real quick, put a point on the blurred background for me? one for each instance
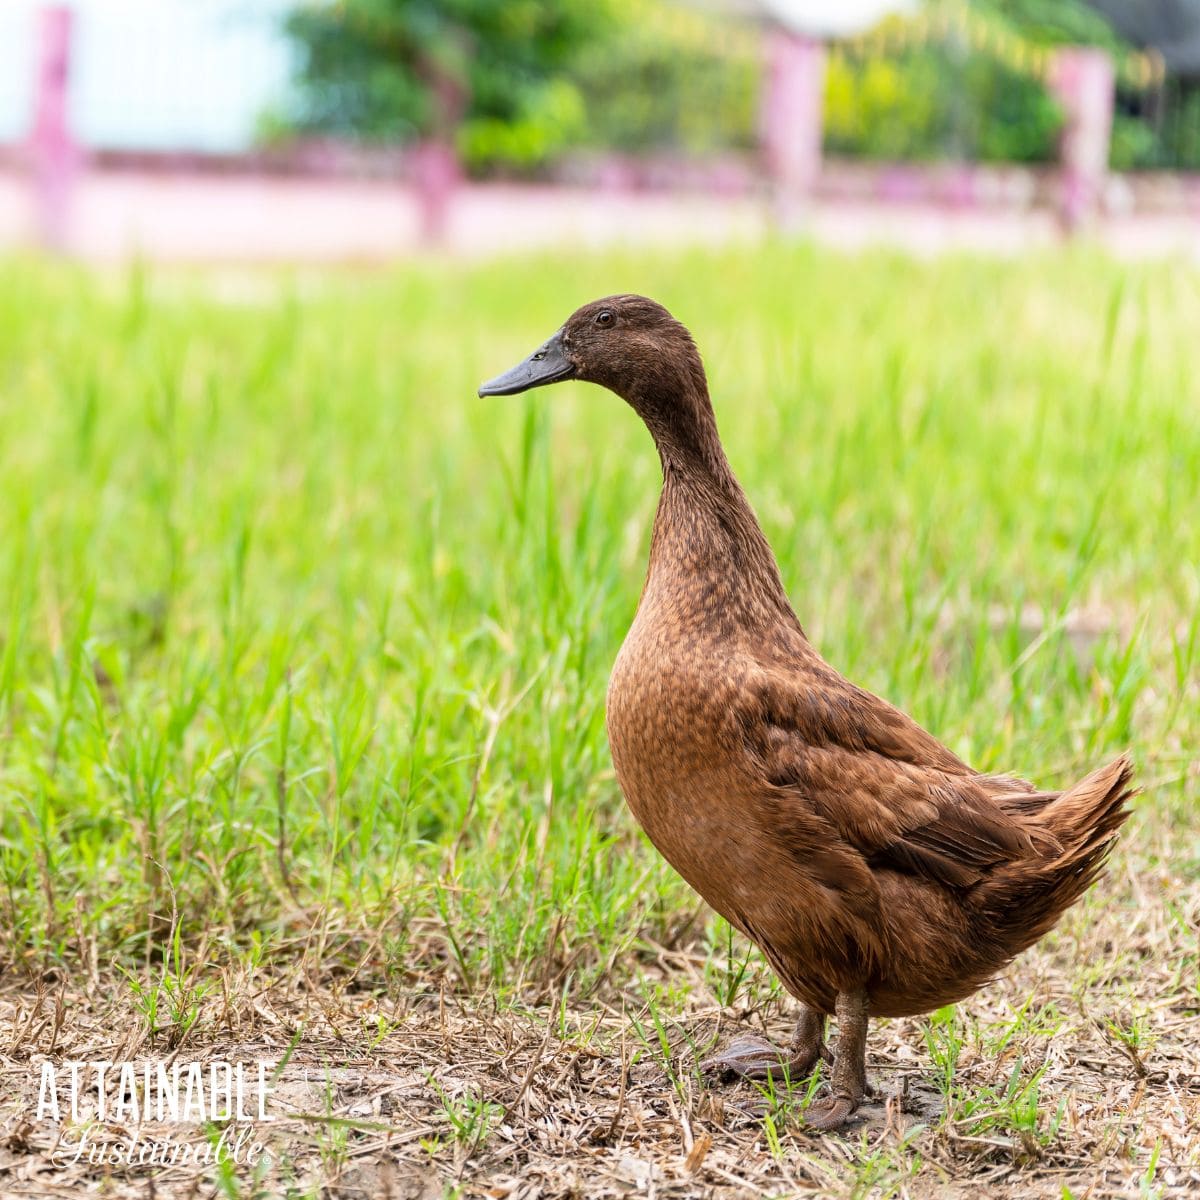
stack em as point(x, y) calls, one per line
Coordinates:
point(366, 129)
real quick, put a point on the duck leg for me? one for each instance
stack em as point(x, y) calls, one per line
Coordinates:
point(756, 1058)
point(848, 1084)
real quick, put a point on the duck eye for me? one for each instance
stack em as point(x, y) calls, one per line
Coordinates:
point(604, 317)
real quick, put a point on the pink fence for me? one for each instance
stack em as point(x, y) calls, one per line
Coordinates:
point(53, 155)
point(789, 166)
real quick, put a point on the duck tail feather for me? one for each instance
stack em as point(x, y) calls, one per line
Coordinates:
point(1088, 814)
point(1025, 900)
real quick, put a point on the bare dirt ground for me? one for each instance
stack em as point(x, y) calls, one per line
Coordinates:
point(415, 1091)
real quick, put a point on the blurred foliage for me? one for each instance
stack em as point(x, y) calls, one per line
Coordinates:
point(671, 78)
point(967, 81)
point(1055, 22)
point(1154, 125)
point(938, 101)
point(488, 72)
point(962, 81)
point(518, 84)
point(1159, 129)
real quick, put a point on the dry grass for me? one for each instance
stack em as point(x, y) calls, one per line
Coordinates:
point(1076, 1074)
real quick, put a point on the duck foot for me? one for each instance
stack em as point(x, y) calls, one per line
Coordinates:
point(830, 1114)
point(756, 1058)
point(849, 1078)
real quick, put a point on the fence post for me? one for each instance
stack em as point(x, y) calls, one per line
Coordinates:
point(1082, 79)
point(436, 174)
point(792, 119)
point(52, 149)
point(436, 167)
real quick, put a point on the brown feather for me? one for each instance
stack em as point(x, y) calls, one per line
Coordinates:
point(860, 854)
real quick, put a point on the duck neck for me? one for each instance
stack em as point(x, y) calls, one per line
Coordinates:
point(684, 429)
point(705, 529)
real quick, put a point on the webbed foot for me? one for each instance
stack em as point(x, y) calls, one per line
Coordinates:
point(756, 1058)
point(830, 1114)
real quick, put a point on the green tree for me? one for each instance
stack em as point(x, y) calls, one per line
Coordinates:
point(937, 101)
point(488, 73)
point(1056, 22)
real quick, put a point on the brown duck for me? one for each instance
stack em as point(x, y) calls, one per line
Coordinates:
point(877, 872)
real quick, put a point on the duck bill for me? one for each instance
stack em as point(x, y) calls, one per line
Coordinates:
point(547, 364)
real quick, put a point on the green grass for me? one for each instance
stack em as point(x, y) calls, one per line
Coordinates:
point(304, 647)
point(270, 570)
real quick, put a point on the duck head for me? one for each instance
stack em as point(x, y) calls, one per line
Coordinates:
point(634, 347)
point(628, 344)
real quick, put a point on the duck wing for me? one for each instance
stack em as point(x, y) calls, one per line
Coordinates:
point(891, 791)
